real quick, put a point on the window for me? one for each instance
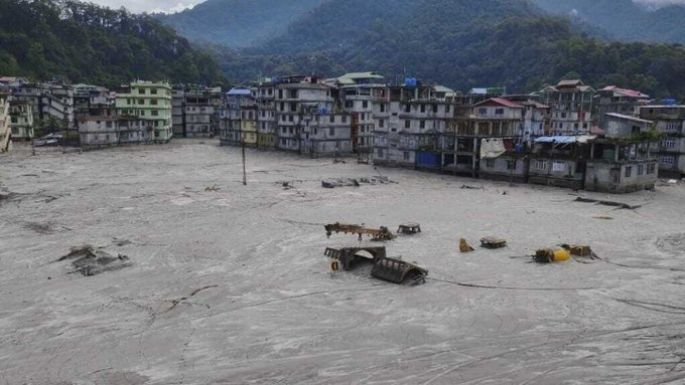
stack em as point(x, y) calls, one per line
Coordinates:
point(344, 118)
point(365, 104)
point(141, 91)
point(435, 108)
point(382, 107)
point(667, 160)
point(331, 131)
point(422, 124)
point(407, 108)
point(447, 108)
point(651, 168)
point(407, 124)
point(153, 91)
point(332, 118)
point(406, 156)
point(668, 143)
point(490, 163)
point(511, 165)
point(640, 170)
point(541, 165)
point(499, 111)
point(482, 111)
point(423, 108)
point(349, 104)
point(155, 113)
point(141, 101)
point(629, 171)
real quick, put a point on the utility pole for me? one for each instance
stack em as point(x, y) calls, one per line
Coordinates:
point(242, 147)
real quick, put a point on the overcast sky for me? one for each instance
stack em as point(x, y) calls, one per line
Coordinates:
point(178, 5)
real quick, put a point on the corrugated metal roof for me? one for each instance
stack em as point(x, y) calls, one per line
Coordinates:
point(628, 117)
point(565, 139)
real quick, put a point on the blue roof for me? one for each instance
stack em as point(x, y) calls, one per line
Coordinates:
point(239, 92)
point(556, 139)
point(565, 139)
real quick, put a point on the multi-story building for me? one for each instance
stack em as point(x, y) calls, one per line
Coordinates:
point(99, 129)
point(5, 129)
point(52, 104)
point(410, 121)
point(310, 118)
point(266, 114)
point(239, 118)
point(21, 113)
point(624, 159)
point(357, 91)
point(485, 134)
point(623, 101)
point(571, 103)
point(670, 123)
point(195, 110)
point(149, 102)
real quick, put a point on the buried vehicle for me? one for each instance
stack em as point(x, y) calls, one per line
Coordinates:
point(388, 269)
point(380, 234)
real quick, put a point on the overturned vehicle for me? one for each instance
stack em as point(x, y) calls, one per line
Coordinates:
point(384, 268)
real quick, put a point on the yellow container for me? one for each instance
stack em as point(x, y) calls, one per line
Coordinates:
point(561, 255)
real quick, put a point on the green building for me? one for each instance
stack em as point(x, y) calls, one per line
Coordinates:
point(149, 102)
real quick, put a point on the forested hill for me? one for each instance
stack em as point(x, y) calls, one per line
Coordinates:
point(624, 19)
point(239, 23)
point(43, 39)
point(461, 44)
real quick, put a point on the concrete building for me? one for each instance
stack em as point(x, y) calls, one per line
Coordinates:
point(357, 91)
point(195, 110)
point(410, 122)
point(571, 104)
point(559, 161)
point(21, 113)
point(670, 123)
point(622, 160)
point(149, 102)
point(483, 134)
point(310, 118)
point(52, 105)
point(266, 114)
point(238, 124)
point(5, 127)
point(101, 130)
point(617, 100)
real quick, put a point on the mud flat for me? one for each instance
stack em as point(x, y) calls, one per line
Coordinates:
point(227, 284)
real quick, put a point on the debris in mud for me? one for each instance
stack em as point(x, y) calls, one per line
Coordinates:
point(336, 161)
point(213, 188)
point(121, 242)
point(464, 246)
point(44, 228)
point(380, 234)
point(672, 244)
point(388, 269)
point(90, 261)
point(552, 255)
point(467, 187)
point(608, 203)
point(353, 182)
point(564, 253)
point(603, 217)
point(409, 228)
point(493, 243)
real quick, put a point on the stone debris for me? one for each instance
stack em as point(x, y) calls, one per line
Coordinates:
point(90, 261)
point(355, 182)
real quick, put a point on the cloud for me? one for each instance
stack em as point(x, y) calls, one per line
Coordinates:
point(137, 6)
point(660, 3)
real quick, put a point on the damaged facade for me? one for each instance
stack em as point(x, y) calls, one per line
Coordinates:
point(195, 110)
point(669, 121)
point(5, 129)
